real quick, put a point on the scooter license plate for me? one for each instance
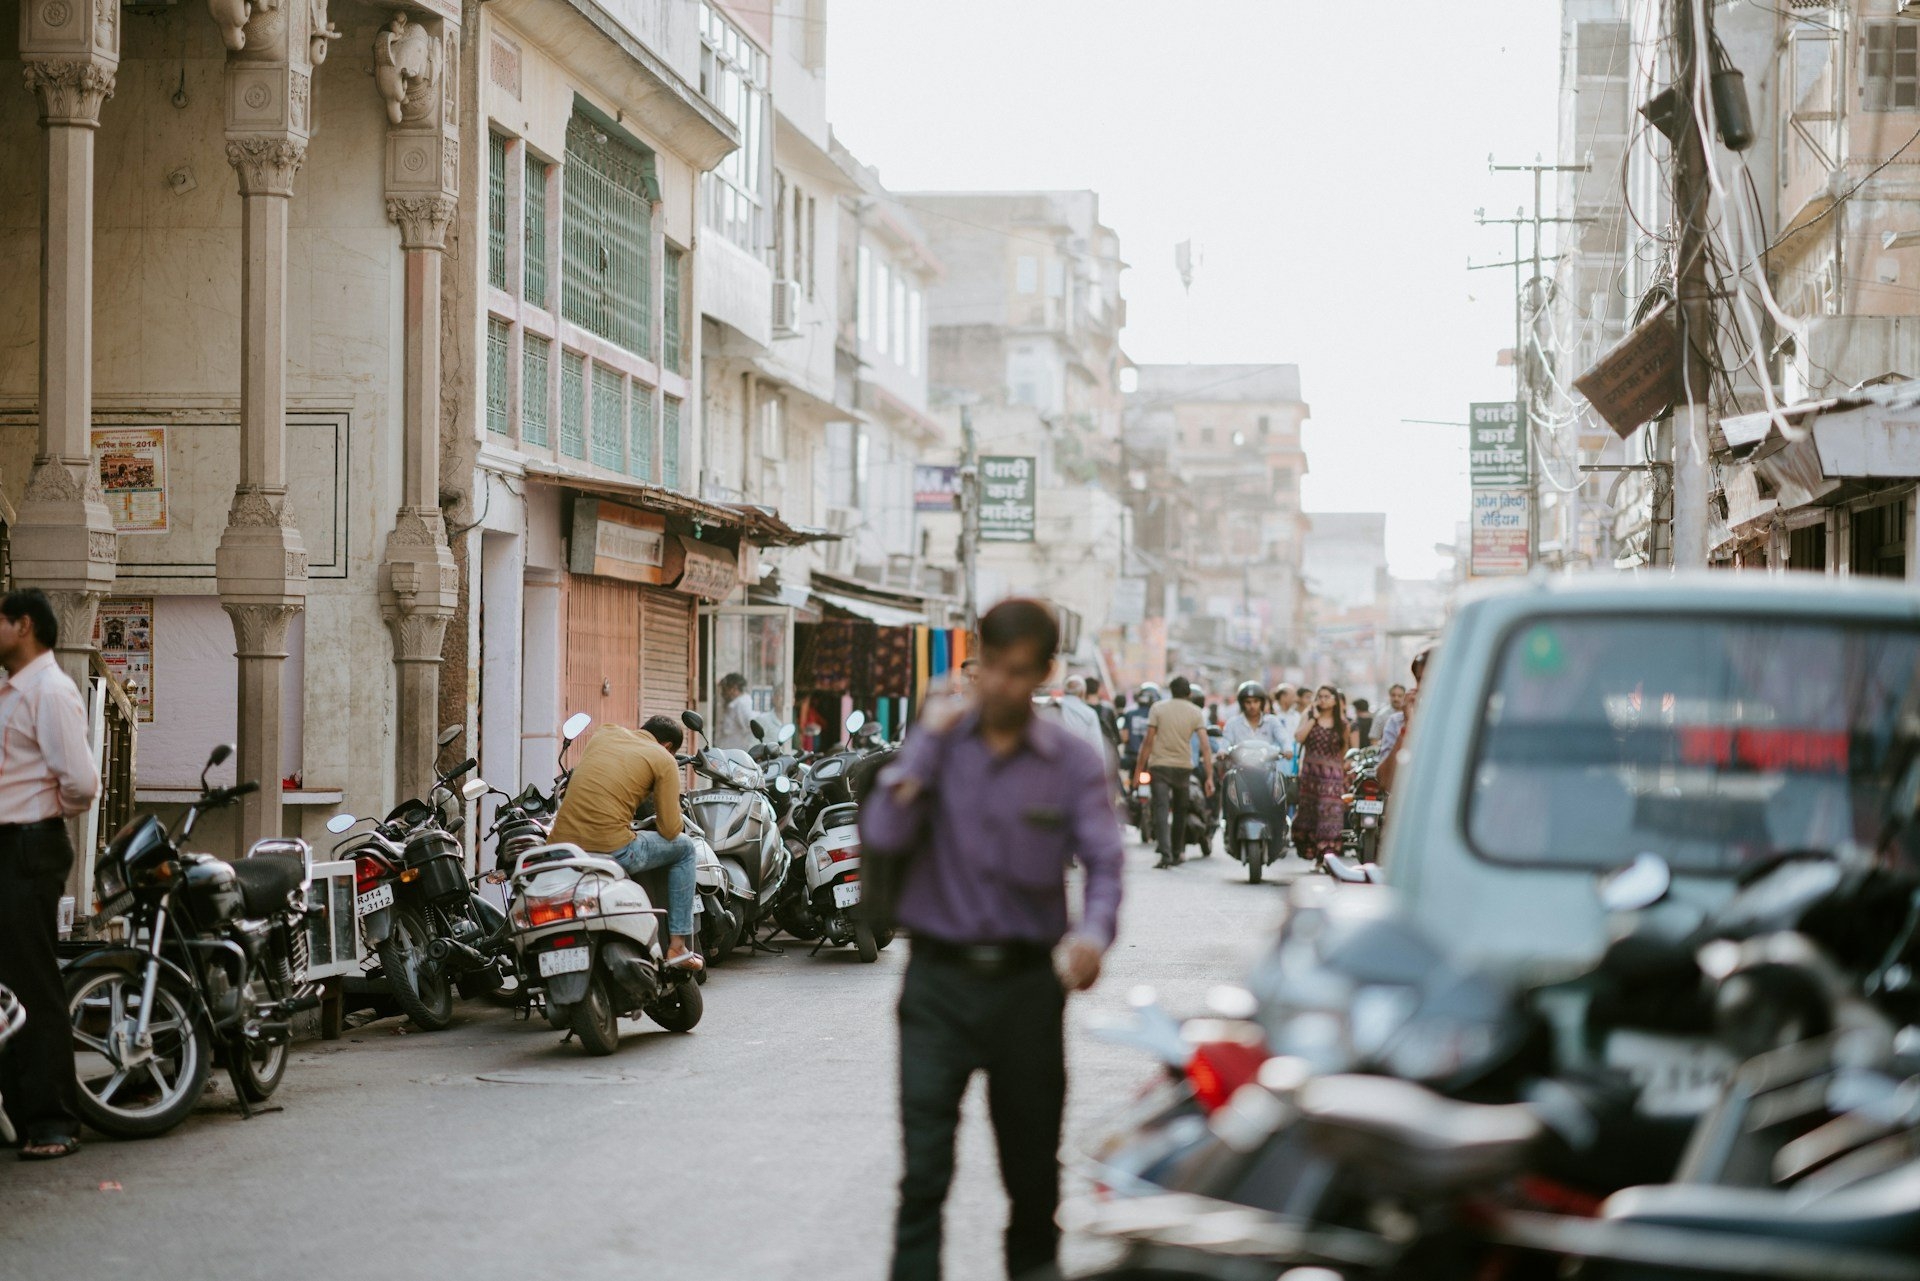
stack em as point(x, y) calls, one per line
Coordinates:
point(847, 894)
point(1369, 807)
point(373, 900)
point(565, 960)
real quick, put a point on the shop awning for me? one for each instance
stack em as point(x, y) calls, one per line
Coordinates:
point(872, 611)
point(759, 525)
point(1821, 452)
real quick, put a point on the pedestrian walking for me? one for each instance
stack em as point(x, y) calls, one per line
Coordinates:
point(1109, 715)
point(1167, 756)
point(735, 729)
point(47, 776)
point(1396, 706)
point(1079, 716)
point(988, 804)
point(1362, 721)
point(1325, 735)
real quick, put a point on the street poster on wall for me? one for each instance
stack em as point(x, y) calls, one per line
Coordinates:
point(1500, 524)
point(123, 632)
point(131, 463)
point(1497, 447)
point(935, 488)
point(1008, 484)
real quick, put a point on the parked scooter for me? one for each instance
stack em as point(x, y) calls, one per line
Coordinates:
point(214, 968)
point(736, 818)
point(1253, 801)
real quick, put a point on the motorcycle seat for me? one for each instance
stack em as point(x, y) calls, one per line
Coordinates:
point(844, 815)
point(1878, 1213)
point(1407, 1135)
point(266, 880)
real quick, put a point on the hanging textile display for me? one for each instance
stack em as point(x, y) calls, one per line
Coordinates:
point(893, 662)
point(921, 673)
point(941, 645)
point(833, 656)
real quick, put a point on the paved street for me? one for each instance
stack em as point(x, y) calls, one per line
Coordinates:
point(760, 1146)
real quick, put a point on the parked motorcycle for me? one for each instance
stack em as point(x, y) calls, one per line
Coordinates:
point(13, 1017)
point(736, 817)
point(1253, 800)
point(592, 944)
point(1366, 805)
point(212, 970)
point(824, 838)
point(418, 907)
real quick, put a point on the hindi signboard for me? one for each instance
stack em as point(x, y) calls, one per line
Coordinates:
point(935, 488)
point(1500, 527)
point(131, 463)
point(1497, 446)
point(123, 633)
point(1008, 484)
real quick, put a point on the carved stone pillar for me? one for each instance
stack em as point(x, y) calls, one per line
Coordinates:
point(262, 562)
point(416, 70)
point(63, 540)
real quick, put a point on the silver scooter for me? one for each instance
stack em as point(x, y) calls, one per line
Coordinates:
point(740, 823)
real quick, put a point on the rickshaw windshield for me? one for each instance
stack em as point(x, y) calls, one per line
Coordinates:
point(1710, 741)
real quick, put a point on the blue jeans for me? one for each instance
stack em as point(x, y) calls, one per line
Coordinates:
point(648, 851)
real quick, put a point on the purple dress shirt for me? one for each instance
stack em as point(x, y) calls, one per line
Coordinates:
point(1004, 829)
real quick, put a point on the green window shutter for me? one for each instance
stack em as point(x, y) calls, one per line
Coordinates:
point(670, 442)
point(533, 390)
point(573, 405)
point(609, 419)
point(640, 433)
point(672, 268)
point(497, 376)
point(534, 259)
point(606, 284)
point(497, 211)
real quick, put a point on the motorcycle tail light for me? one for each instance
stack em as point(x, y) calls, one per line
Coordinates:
point(844, 853)
point(564, 940)
point(366, 874)
point(1218, 1068)
point(1370, 788)
point(546, 912)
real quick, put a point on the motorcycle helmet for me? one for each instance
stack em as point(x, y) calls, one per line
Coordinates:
point(1147, 695)
point(1249, 689)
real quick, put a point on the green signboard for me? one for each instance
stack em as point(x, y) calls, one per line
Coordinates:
point(1497, 450)
point(1008, 484)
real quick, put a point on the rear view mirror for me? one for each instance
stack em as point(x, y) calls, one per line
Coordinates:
point(340, 823)
point(783, 785)
point(1640, 884)
point(693, 721)
point(474, 788)
point(220, 755)
point(576, 725)
point(855, 721)
point(450, 733)
point(759, 731)
point(787, 732)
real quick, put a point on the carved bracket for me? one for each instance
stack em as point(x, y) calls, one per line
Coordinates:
point(406, 68)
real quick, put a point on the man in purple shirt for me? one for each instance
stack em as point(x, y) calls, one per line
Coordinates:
point(992, 804)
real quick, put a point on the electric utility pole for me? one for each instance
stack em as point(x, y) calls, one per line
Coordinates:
point(1681, 442)
point(970, 517)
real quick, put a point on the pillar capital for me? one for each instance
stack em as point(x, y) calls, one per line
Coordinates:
point(423, 219)
point(266, 165)
point(261, 559)
point(260, 631)
point(63, 539)
point(70, 93)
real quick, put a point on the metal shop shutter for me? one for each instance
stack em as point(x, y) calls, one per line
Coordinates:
point(603, 649)
point(666, 653)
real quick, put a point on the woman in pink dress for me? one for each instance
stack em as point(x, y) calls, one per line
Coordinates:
point(1325, 734)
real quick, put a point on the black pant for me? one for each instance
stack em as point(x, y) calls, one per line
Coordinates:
point(954, 1022)
point(36, 1067)
point(1170, 784)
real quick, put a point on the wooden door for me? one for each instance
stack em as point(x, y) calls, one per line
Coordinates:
point(603, 650)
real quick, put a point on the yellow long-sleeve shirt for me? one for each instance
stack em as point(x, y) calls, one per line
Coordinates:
point(620, 769)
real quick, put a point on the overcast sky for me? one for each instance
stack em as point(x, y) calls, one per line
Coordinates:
point(1325, 159)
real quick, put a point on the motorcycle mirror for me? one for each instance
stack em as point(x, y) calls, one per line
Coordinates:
point(759, 731)
point(340, 823)
point(694, 721)
point(217, 756)
point(450, 733)
point(783, 785)
point(787, 732)
point(1640, 884)
point(474, 788)
point(855, 721)
point(576, 725)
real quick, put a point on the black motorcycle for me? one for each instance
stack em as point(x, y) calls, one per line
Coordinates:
point(1253, 800)
point(213, 971)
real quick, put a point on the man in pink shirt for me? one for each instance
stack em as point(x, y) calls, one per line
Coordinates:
point(47, 775)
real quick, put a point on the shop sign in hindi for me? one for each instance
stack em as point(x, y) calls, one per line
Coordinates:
point(123, 633)
point(1500, 524)
point(1008, 484)
point(1497, 446)
point(935, 488)
point(131, 463)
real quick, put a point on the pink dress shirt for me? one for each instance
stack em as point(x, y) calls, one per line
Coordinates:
point(46, 764)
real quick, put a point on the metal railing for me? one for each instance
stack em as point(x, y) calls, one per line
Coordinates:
point(117, 753)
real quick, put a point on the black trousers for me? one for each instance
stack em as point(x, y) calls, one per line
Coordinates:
point(36, 1067)
point(954, 1022)
point(1170, 794)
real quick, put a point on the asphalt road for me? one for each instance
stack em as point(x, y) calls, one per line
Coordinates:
point(762, 1145)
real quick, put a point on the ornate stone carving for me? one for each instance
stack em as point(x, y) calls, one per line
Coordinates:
point(320, 33)
point(419, 637)
point(231, 17)
point(417, 527)
point(406, 68)
point(70, 93)
point(53, 481)
point(260, 631)
point(266, 165)
point(106, 17)
point(299, 90)
point(423, 220)
point(75, 612)
point(264, 36)
point(255, 508)
point(103, 547)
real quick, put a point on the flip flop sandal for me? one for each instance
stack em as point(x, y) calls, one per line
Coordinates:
point(692, 962)
point(57, 1149)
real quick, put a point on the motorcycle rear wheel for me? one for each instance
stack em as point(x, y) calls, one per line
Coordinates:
point(256, 1068)
point(403, 959)
point(595, 1021)
point(864, 940)
point(680, 1009)
point(149, 1098)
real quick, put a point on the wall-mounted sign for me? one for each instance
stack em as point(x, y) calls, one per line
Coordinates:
point(1500, 523)
point(1497, 446)
point(123, 633)
point(617, 542)
point(1007, 488)
point(935, 489)
point(1639, 376)
point(131, 463)
point(701, 569)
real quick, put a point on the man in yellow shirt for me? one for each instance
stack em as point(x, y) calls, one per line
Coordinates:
point(619, 772)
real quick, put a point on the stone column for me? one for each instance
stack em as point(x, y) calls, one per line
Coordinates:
point(63, 540)
point(416, 70)
point(261, 562)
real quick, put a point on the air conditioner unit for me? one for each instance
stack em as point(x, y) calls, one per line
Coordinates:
point(786, 307)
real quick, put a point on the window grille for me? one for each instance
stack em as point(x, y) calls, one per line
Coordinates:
point(607, 237)
point(670, 352)
point(533, 390)
point(573, 405)
point(609, 418)
point(640, 432)
point(535, 255)
point(670, 442)
point(497, 211)
point(497, 376)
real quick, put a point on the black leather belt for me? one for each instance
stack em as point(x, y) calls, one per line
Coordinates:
point(988, 959)
point(43, 825)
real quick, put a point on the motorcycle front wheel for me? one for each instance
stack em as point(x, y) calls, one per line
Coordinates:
point(1254, 854)
point(595, 1021)
point(427, 1001)
point(123, 1094)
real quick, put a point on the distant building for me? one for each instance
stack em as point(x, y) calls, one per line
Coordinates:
point(1345, 564)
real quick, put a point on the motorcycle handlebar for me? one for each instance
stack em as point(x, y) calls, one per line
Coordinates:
point(466, 766)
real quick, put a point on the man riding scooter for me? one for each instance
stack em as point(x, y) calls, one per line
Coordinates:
point(619, 772)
